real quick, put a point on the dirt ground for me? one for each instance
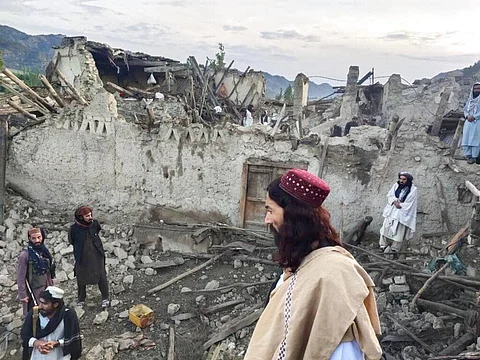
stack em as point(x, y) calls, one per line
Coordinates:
point(191, 333)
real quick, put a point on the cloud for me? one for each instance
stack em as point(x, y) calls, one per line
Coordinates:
point(416, 37)
point(146, 29)
point(442, 58)
point(288, 35)
point(234, 28)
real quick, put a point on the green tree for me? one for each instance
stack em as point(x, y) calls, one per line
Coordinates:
point(279, 96)
point(219, 61)
point(288, 95)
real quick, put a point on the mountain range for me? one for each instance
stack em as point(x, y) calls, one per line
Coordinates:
point(22, 51)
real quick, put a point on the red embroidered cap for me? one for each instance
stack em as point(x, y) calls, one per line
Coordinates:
point(305, 187)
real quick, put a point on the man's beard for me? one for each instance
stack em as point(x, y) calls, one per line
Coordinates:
point(475, 94)
point(89, 221)
point(276, 235)
point(46, 313)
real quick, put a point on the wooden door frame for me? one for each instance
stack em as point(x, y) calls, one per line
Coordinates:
point(266, 163)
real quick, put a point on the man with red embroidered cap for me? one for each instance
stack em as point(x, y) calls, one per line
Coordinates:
point(323, 306)
point(35, 269)
point(89, 255)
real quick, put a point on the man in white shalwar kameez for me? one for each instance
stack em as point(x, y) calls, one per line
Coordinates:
point(400, 214)
point(471, 129)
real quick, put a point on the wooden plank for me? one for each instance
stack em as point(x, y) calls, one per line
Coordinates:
point(52, 91)
point(185, 274)
point(165, 68)
point(74, 91)
point(456, 137)
point(20, 110)
point(29, 91)
point(243, 199)
point(238, 82)
point(171, 344)
point(163, 263)
point(120, 89)
point(472, 188)
point(278, 164)
point(225, 72)
point(24, 99)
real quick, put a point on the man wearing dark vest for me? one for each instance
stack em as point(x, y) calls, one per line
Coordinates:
point(89, 255)
point(35, 271)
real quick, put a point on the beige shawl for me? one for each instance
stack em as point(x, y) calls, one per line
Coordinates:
point(332, 302)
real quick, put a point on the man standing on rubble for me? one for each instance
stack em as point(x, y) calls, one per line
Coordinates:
point(400, 214)
point(35, 269)
point(51, 331)
point(89, 255)
point(323, 306)
point(248, 120)
point(471, 129)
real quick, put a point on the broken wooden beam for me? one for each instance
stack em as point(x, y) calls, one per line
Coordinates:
point(201, 78)
point(431, 305)
point(225, 72)
point(120, 89)
point(76, 95)
point(238, 82)
point(165, 68)
point(176, 261)
point(51, 90)
point(323, 157)
point(37, 98)
point(25, 99)
point(171, 344)
point(412, 335)
point(473, 189)
point(236, 324)
point(230, 287)
point(21, 110)
point(358, 231)
point(459, 345)
point(427, 284)
point(187, 273)
point(220, 307)
point(456, 137)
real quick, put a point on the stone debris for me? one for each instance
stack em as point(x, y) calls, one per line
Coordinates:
point(101, 318)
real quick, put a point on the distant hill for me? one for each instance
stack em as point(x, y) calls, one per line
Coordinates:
point(20, 50)
point(275, 83)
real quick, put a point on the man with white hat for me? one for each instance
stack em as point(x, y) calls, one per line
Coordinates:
point(51, 331)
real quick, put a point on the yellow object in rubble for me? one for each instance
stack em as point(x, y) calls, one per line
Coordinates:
point(141, 315)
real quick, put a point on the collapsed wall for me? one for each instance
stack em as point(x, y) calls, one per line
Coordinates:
point(98, 155)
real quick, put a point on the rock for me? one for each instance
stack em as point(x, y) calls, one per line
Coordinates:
point(114, 303)
point(126, 344)
point(96, 353)
point(430, 318)
point(6, 281)
point(200, 299)
point(112, 261)
point(101, 318)
point(438, 324)
point(15, 324)
point(387, 281)
point(185, 289)
point(237, 263)
point(457, 330)
point(118, 288)
point(130, 265)
point(146, 259)
point(120, 253)
point(10, 223)
point(67, 250)
point(61, 276)
point(9, 235)
point(59, 247)
point(213, 284)
point(395, 288)
point(123, 314)
point(128, 280)
point(149, 271)
point(3, 244)
point(382, 302)
point(400, 280)
point(7, 318)
point(80, 312)
point(2, 229)
point(173, 308)
point(411, 353)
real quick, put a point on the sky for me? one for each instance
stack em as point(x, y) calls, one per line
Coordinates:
point(413, 38)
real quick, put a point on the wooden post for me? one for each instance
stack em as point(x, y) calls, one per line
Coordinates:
point(120, 89)
point(238, 82)
point(74, 91)
point(324, 157)
point(3, 165)
point(225, 72)
point(20, 110)
point(252, 88)
point(52, 91)
point(171, 344)
point(30, 92)
point(456, 137)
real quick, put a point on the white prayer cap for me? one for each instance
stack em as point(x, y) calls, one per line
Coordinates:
point(56, 292)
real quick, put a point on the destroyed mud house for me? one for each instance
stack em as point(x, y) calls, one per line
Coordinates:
point(158, 147)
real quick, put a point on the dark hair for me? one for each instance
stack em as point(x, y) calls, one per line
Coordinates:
point(302, 226)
